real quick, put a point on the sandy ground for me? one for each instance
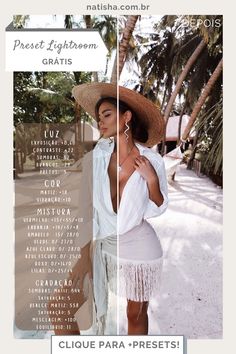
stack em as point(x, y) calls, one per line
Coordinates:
point(190, 231)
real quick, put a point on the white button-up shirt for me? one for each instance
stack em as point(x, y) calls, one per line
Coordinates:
point(135, 204)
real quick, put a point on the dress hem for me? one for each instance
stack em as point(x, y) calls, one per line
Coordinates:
point(136, 280)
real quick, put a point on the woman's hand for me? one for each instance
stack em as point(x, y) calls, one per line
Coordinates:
point(147, 171)
point(145, 168)
point(81, 268)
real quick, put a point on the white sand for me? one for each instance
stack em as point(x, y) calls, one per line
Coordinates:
point(190, 231)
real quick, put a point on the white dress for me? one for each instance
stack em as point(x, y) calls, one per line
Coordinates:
point(126, 245)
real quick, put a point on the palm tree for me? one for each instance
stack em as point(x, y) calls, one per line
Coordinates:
point(123, 46)
point(163, 63)
point(183, 75)
point(178, 85)
point(208, 142)
point(205, 93)
point(214, 160)
point(89, 24)
point(212, 37)
point(157, 62)
point(168, 61)
point(107, 26)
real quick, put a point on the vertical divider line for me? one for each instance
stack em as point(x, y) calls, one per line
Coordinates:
point(117, 175)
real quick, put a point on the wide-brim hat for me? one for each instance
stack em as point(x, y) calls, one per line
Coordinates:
point(87, 95)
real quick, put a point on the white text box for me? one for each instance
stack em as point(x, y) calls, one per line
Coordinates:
point(55, 51)
point(118, 344)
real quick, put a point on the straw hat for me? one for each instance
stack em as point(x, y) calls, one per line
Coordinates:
point(87, 95)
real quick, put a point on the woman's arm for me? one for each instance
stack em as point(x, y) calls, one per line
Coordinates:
point(154, 190)
point(147, 171)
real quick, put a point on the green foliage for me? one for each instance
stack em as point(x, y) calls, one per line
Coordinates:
point(166, 53)
point(107, 28)
point(26, 105)
point(168, 49)
point(210, 143)
point(41, 97)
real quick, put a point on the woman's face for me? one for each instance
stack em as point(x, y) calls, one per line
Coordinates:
point(108, 120)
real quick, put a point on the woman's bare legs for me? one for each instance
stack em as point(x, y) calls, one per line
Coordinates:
point(137, 317)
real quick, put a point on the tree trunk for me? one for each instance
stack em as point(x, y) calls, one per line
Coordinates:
point(114, 71)
point(194, 150)
point(202, 98)
point(180, 121)
point(77, 75)
point(123, 47)
point(164, 98)
point(88, 21)
point(107, 61)
point(95, 76)
point(89, 24)
point(68, 21)
point(183, 75)
point(78, 141)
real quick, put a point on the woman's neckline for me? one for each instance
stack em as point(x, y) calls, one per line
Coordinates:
point(125, 186)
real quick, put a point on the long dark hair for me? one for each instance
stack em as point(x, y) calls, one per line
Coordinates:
point(138, 128)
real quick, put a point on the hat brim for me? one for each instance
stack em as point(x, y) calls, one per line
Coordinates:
point(87, 95)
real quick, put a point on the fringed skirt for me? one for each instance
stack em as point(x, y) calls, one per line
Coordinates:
point(134, 269)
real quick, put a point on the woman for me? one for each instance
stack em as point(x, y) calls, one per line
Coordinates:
point(129, 186)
